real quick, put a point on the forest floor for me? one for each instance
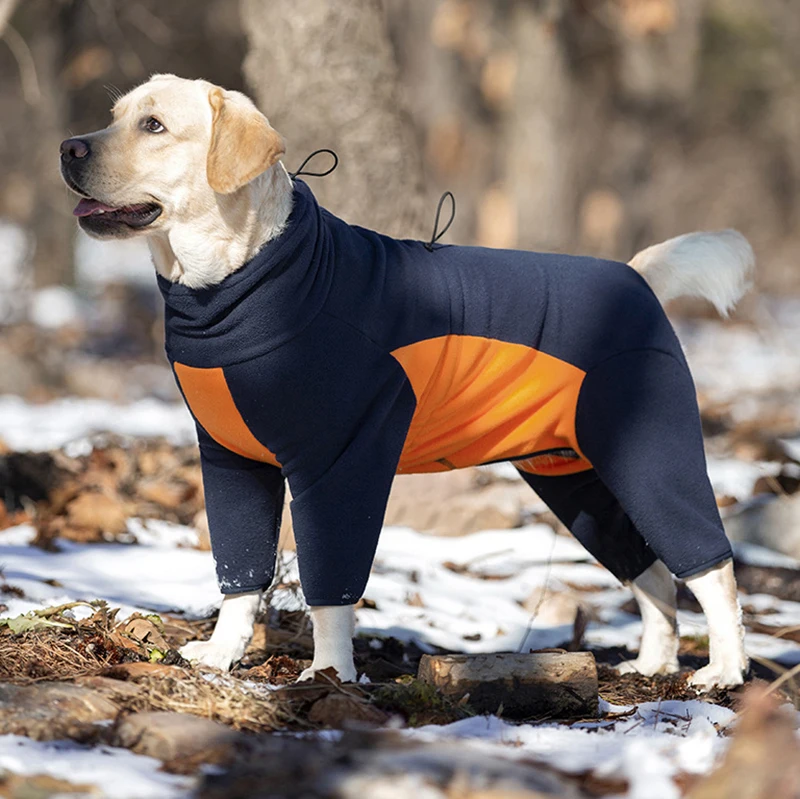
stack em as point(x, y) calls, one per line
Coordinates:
point(106, 573)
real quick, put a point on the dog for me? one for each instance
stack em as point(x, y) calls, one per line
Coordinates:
point(321, 353)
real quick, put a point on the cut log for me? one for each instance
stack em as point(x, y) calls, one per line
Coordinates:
point(537, 685)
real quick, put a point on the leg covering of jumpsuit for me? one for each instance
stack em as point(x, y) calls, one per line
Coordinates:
point(648, 495)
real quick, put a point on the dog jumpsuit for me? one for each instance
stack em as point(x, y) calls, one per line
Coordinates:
point(338, 357)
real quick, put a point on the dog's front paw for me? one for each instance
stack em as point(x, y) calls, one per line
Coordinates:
point(209, 653)
point(715, 676)
point(346, 672)
point(648, 669)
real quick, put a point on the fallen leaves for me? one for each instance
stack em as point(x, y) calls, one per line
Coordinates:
point(90, 498)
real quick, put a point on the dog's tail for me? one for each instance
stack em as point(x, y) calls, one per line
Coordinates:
point(716, 266)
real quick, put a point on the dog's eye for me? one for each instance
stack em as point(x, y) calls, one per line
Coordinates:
point(152, 125)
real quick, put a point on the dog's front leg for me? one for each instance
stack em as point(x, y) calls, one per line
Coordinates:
point(715, 590)
point(231, 635)
point(654, 590)
point(334, 626)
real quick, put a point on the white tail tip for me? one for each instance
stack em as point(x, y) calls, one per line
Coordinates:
point(717, 266)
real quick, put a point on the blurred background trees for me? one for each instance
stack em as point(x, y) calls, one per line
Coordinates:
point(585, 125)
point(589, 126)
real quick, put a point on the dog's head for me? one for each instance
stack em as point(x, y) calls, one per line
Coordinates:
point(173, 147)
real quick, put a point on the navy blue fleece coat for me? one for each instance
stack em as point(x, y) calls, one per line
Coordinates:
point(338, 357)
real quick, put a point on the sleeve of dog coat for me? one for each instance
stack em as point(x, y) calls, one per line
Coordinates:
point(244, 502)
point(338, 518)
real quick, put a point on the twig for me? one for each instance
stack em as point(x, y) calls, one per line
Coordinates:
point(29, 80)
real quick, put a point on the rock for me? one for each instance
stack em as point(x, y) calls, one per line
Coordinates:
point(47, 711)
point(115, 690)
point(445, 503)
point(457, 502)
point(136, 670)
point(176, 736)
point(200, 524)
point(43, 786)
point(536, 685)
point(552, 608)
point(772, 523)
point(343, 710)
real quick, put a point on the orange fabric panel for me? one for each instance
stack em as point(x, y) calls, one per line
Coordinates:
point(208, 396)
point(481, 400)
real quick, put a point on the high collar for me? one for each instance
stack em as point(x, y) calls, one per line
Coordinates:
point(263, 304)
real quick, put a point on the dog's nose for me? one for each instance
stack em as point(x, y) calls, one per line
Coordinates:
point(74, 148)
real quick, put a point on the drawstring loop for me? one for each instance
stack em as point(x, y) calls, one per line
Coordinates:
point(436, 233)
point(293, 175)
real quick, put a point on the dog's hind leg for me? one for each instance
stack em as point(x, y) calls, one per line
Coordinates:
point(654, 590)
point(594, 516)
point(637, 422)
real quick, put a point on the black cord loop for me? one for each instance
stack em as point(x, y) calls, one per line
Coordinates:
point(293, 175)
point(436, 233)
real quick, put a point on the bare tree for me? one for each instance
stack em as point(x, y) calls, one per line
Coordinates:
point(325, 74)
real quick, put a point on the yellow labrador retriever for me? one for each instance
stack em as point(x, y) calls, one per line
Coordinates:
point(197, 171)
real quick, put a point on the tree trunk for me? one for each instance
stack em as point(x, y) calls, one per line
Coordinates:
point(325, 74)
point(51, 226)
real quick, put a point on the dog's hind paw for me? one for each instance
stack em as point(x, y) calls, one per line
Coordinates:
point(715, 676)
point(208, 653)
point(645, 668)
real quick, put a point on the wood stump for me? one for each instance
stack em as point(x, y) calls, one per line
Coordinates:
point(518, 686)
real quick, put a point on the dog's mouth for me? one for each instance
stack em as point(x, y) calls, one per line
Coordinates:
point(97, 216)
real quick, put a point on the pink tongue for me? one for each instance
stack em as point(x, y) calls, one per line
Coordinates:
point(88, 207)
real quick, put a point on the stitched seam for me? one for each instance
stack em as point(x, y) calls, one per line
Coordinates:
point(728, 553)
point(637, 349)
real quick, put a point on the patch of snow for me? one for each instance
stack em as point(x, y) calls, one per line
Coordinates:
point(730, 362)
point(134, 578)
point(159, 533)
point(68, 422)
point(121, 261)
point(757, 555)
point(115, 772)
point(736, 478)
point(670, 737)
point(54, 307)
point(791, 446)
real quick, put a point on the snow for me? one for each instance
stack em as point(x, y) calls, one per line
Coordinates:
point(670, 737)
point(121, 261)
point(116, 772)
point(735, 478)
point(54, 307)
point(69, 423)
point(148, 576)
point(739, 363)
point(757, 555)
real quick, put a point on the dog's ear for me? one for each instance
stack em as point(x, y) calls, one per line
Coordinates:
point(243, 143)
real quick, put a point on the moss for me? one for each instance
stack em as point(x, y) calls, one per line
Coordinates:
point(418, 702)
point(694, 645)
